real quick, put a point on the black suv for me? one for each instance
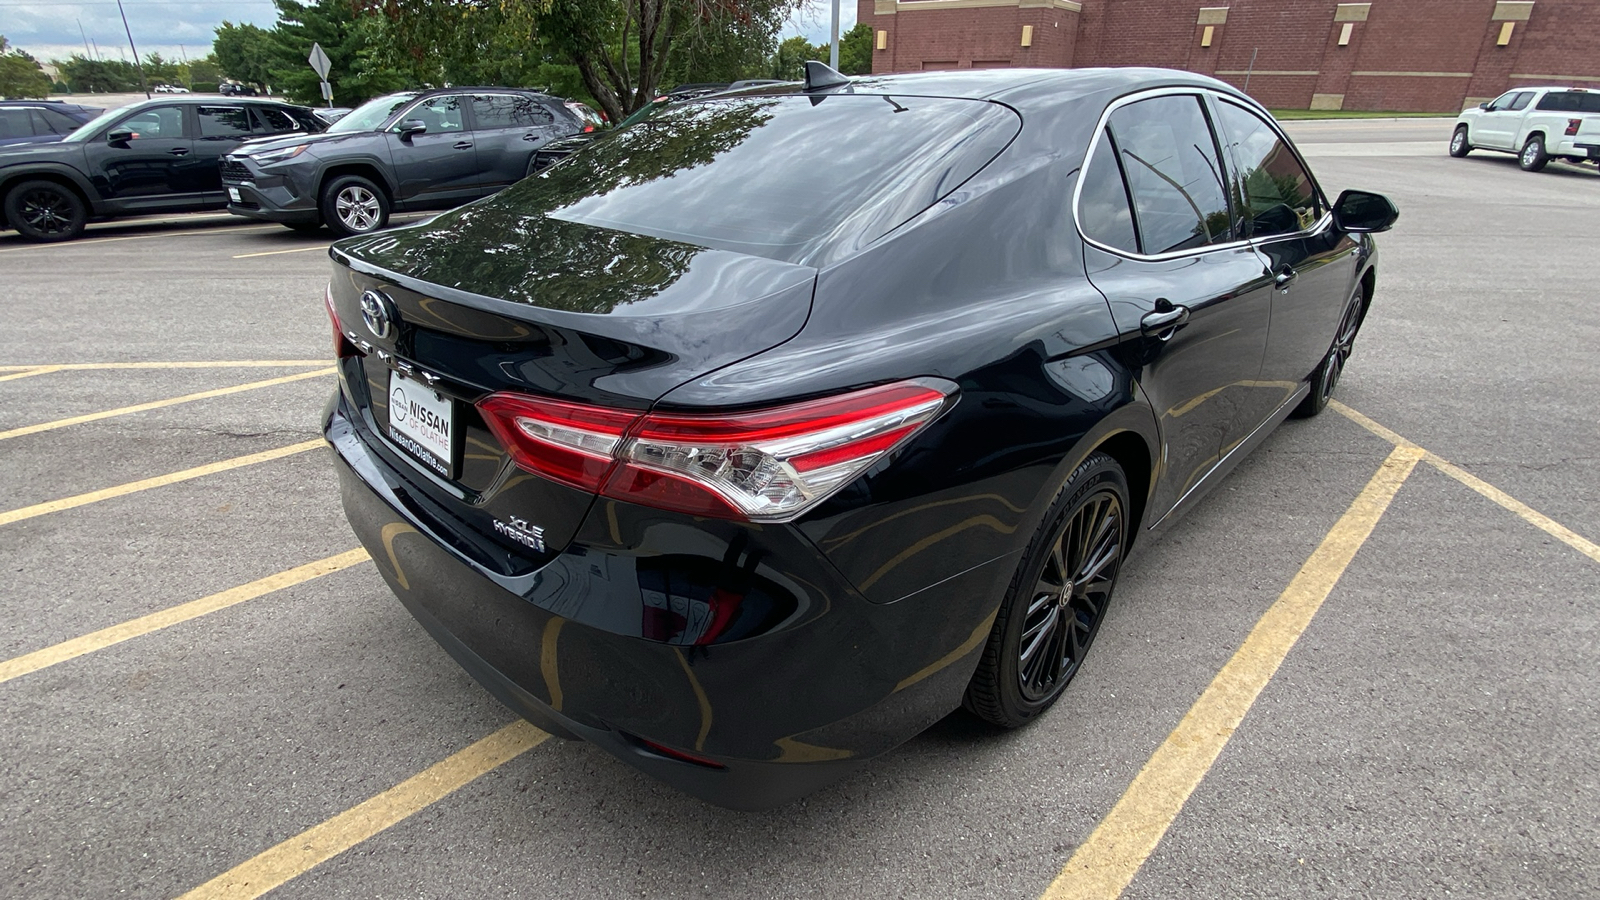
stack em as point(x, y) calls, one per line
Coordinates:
point(408, 151)
point(38, 121)
point(156, 156)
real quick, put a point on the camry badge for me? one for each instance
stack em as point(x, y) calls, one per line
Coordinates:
point(377, 311)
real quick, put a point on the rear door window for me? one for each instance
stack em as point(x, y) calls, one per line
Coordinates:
point(275, 121)
point(789, 178)
point(1520, 101)
point(1276, 193)
point(15, 123)
point(490, 111)
point(224, 121)
point(59, 122)
point(1174, 174)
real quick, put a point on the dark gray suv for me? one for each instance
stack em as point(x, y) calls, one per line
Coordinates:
point(408, 151)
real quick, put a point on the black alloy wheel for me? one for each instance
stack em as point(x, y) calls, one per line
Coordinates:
point(1459, 146)
point(46, 211)
point(1057, 599)
point(1325, 380)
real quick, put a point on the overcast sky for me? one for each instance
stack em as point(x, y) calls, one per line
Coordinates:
point(175, 28)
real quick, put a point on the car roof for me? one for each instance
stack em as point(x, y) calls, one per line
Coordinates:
point(207, 100)
point(1023, 89)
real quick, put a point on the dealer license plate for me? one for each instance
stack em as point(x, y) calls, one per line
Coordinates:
point(422, 423)
point(233, 194)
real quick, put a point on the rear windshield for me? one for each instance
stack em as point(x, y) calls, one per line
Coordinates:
point(787, 178)
point(1570, 101)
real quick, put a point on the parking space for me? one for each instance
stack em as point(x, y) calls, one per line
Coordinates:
point(205, 690)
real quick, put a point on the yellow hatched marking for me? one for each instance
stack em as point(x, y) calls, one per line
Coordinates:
point(160, 404)
point(1527, 513)
point(183, 612)
point(133, 487)
point(323, 842)
point(1104, 865)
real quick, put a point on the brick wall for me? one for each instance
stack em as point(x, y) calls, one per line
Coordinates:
point(1417, 55)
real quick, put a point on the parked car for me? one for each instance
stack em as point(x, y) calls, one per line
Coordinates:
point(153, 156)
point(235, 89)
point(408, 151)
point(169, 89)
point(559, 149)
point(592, 120)
point(1537, 124)
point(747, 468)
point(41, 121)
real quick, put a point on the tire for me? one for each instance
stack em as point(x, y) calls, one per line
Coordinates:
point(1325, 380)
point(303, 227)
point(1459, 146)
point(46, 211)
point(1048, 618)
point(1533, 158)
point(353, 205)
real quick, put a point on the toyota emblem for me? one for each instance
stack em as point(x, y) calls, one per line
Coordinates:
point(377, 311)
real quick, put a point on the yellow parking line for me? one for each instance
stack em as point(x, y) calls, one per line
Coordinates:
point(133, 487)
point(159, 404)
point(42, 368)
point(183, 612)
point(1528, 514)
point(276, 252)
point(1104, 865)
point(323, 842)
point(134, 237)
point(29, 373)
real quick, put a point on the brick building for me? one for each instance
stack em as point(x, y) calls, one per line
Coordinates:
point(1419, 55)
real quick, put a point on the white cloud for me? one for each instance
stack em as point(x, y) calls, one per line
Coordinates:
point(813, 20)
point(169, 27)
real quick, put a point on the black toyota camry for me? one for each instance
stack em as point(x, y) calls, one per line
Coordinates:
point(754, 439)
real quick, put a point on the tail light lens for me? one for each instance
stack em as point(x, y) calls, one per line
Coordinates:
point(342, 348)
point(769, 465)
point(1572, 126)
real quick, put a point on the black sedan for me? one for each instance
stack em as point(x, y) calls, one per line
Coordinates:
point(767, 432)
point(414, 150)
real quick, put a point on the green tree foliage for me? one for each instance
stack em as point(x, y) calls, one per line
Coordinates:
point(205, 70)
point(98, 76)
point(245, 53)
point(357, 73)
point(158, 70)
point(20, 75)
point(855, 50)
point(624, 51)
point(789, 62)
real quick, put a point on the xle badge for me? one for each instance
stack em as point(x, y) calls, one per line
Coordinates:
point(520, 531)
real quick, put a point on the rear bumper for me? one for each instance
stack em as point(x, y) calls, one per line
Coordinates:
point(774, 716)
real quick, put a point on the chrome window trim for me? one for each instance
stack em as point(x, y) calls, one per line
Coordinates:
point(1203, 94)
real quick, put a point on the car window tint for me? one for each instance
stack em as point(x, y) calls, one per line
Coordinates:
point(440, 114)
point(1520, 101)
point(1103, 200)
point(224, 121)
point(158, 122)
point(59, 123)
point(1502, 101)
point(276, 121)
point(1570, 101)
point(1170, 161)
point(1277, 194)
point(15, 123)
point(508, 111)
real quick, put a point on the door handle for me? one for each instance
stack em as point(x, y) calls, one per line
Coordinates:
point(462, 145)
point(1284, 276)
point(530, 136)
point(179, 151)
point(1165, 321)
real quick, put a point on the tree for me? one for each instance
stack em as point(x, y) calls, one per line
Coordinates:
point(356, 70)
point(205, 70)
point(244, 53)
point(161, 71)
point(855, 50)
point(789, 62)
point(98, 76)
point(20, 75)
point(623, 50)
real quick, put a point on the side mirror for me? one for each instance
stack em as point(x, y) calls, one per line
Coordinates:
point(412, 126)
point(1483, 105)
point(120, 137)
point(1363, 212)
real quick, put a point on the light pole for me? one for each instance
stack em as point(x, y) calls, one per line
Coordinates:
point(833, 41)
point(143, 85)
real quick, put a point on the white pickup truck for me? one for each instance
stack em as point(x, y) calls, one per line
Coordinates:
point(1536, 123)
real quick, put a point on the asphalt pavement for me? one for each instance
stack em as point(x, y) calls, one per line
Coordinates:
point(198, 681)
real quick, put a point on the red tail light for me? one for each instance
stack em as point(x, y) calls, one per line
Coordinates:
point(1572, 126)
point(769, 465)
point(342, 347)
point(587, 129)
